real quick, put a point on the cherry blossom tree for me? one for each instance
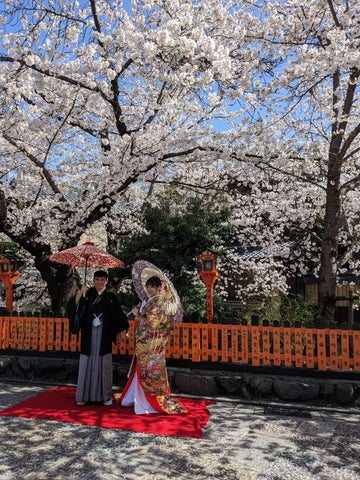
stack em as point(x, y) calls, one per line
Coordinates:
point(290, 162)
point(95, 102)
point(102, 106)
point(305, 109)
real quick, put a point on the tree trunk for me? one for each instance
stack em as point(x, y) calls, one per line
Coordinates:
point(329, 260)
point(62, 281)
point(330, 241)
point(329, 255)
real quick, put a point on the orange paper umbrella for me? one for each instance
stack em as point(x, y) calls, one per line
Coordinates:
point(87, 256)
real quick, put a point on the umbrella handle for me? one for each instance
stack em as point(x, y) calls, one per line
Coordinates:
point(132, 363)
point(86, 262)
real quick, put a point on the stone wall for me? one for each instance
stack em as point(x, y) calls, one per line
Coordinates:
point(270, 387)
point(245, 386)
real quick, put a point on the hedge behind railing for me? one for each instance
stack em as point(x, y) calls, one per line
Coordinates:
point(257, 345)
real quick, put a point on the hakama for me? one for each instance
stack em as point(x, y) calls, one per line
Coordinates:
point(95, 375)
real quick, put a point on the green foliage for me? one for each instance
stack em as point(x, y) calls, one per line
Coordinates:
point(173, 240)
point(194, 300)
point(291, 308)
point(9, 246)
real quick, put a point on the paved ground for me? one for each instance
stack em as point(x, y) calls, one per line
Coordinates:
point(241, 441)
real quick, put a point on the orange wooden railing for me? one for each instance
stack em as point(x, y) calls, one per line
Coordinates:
point(320, 349)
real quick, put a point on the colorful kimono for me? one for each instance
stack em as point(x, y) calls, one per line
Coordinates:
point(148, 388)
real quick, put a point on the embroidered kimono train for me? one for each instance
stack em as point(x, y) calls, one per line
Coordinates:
point(148, 387)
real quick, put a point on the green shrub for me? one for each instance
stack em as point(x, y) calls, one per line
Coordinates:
point(283, 307)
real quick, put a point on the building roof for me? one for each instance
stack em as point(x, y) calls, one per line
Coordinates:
point(254, 252)
point(10, 255)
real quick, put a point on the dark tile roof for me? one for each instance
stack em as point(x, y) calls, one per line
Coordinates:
point(253, 252)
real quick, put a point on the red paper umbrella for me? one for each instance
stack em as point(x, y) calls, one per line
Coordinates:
point(86, 255)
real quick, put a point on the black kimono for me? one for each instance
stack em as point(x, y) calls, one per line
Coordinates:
point(99, 318)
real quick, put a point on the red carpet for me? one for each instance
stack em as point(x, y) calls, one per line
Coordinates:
point(59, 404)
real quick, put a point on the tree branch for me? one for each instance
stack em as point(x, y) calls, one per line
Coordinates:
point(3, 208)
point(39, 164)
point(333, 13)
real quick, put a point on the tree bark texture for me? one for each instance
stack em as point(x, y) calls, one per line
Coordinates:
point(329, 251)
point(62, 282)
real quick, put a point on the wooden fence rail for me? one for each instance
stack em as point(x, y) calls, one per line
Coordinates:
point(313, 348)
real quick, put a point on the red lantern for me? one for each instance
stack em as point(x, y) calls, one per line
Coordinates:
point(209, 275)
point(8, 275)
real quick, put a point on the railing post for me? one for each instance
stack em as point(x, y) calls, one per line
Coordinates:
point(298, 345)
point(356, 346)
point(276, 343)
point(287, 344)
point(265, 342)
point(255, 341)
point(345, 344)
